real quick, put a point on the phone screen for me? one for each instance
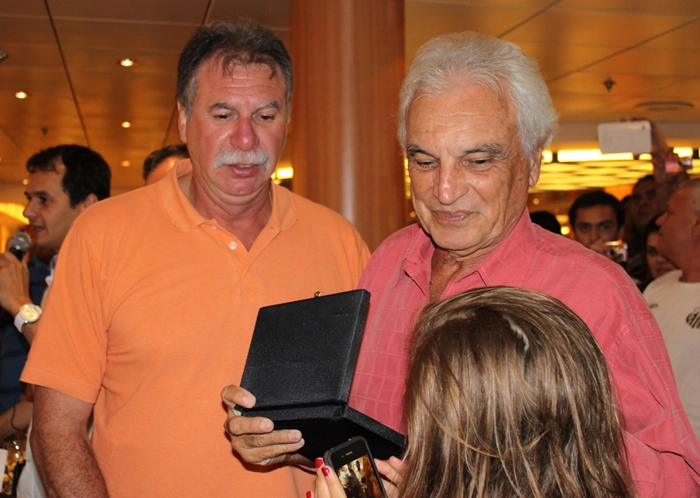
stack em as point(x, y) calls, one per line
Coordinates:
point(353, 463)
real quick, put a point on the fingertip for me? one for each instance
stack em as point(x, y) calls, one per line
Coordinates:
point(248, 400)
point(326, 471)
point(266, 425)
point(294, 436)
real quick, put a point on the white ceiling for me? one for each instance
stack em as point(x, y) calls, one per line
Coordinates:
point(65, 55)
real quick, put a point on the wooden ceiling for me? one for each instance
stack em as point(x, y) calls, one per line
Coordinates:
point(64, 55)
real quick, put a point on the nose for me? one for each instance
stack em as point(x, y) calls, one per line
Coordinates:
point(29, 211)
point(660, 220)
point(244, 136)
point(450, 186)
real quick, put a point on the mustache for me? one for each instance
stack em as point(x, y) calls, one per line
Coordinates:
point(253, 156)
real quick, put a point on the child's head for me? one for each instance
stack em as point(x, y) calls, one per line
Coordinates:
point(508, 390)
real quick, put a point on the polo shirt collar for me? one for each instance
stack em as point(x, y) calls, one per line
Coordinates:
point(185, 217)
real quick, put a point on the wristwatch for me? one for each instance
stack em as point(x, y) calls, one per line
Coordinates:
point(28, 313)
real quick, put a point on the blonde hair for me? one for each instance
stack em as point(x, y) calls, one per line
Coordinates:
point(508, 395)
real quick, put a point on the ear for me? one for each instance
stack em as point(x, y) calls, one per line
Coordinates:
point(182, 122)
point(89, 201)
point(695, 226)
point(535, 166)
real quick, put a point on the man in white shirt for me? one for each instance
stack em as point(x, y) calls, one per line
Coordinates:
point(674, 298)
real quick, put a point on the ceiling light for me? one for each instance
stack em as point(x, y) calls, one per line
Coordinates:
point(25, 182)
point(21, 95)
point(547, 156)
point(683, 151)
point(284, 173)
point(664, 105)
point(126, 164)
point(568, 156)
point(126, 62)
point(126, 124)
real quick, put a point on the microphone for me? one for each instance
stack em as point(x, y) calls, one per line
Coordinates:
point(19, 244)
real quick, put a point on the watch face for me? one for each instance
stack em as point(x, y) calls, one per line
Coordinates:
point(30, 313)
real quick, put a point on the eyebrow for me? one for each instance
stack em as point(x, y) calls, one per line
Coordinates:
point(223, 105)
point(493, 150)
point(413, 149)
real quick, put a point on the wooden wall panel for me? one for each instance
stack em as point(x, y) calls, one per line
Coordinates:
point(348, 58)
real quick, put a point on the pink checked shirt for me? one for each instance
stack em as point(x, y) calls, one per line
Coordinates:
point(663, 453)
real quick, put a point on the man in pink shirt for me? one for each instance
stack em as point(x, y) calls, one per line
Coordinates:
point(475, 116)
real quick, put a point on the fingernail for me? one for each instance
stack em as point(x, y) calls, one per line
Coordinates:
point(309, 494)
point(326, 471)
point(294, 436)
point(319, 463)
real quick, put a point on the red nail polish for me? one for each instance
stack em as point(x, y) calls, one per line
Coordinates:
point(326, 471)
point(309, 494)
point(319, 463)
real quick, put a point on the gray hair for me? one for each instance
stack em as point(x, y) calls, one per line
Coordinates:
point(493, 64)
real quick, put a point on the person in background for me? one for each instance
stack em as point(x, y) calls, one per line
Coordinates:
point(160, 161)
point(14, 347)
point(474, 117)
point(63, 182)
point(151, 314)
point(674, 298)
point(596, 218)
point(656, 263)
point(649, 198)
point(499, 403)
point(546, 220)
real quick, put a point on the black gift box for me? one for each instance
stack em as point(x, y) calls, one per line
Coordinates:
point(300, 366)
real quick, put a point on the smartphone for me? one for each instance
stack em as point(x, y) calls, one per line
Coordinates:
point(617, 251)
point(624, 136)
point(353, 463)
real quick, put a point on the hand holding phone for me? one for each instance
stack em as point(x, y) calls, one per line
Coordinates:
point(353, 463)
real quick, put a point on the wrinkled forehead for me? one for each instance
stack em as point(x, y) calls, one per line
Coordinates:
point(465, 116)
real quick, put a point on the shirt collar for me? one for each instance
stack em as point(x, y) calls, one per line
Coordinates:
point(185, 217)
point(510, 258)
point(509, 262)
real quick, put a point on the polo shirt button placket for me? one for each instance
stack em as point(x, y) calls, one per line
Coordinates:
point(232, 246)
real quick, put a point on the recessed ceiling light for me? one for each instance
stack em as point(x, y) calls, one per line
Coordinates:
point(126, 124)
point(21, 95)
point(126, 164)
point(25, 182)
point(126, 62)
point(664, 105)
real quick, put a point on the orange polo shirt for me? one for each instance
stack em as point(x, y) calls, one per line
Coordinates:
point(151, 314)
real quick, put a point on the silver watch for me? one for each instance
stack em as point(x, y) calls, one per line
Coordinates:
point(28, 313)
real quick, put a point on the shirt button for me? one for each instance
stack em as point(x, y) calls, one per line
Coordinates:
point(232, 245)
point(213, 227)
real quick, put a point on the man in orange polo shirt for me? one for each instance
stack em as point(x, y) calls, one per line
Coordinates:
point(151, 314)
